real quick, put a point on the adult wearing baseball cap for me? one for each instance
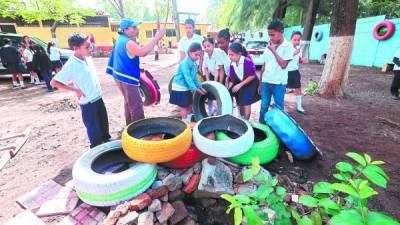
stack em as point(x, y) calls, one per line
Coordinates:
point(124, 66)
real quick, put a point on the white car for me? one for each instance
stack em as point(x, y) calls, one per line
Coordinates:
point(256, 50)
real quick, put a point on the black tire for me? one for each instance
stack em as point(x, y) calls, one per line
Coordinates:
point(145, 94)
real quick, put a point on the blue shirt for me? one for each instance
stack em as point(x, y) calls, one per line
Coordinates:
point(186, 77)
point(122, 66)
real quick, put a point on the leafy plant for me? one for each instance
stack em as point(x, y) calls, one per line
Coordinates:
point(311, 88)
point(253, 206)
point(346, 201)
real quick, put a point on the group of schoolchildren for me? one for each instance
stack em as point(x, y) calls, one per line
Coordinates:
point(231, 65)
point(33, 59)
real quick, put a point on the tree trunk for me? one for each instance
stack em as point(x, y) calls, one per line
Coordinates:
point(121, 8)
point(176, 20)
point(308, 27)
point(53, 33)
point(280, 10)
point(336, 70)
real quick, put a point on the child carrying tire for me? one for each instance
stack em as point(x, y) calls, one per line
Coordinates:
point(185, 82)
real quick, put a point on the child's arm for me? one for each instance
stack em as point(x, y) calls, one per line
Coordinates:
point(60, 85)
point(135, 50)
point(281, 62)
point(207, 73)
point(193, 84)
point(246, 81)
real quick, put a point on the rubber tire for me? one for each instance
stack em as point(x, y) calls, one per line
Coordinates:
point(290, 133)
point(227, 148)
point(266, 149)
point(102, 190)
point(156, 151)
point(221, 95)
point(200, 78)
point(145, 94)
point(191, 157)
point(390, 26)
point(147, 82)
point(319, 35)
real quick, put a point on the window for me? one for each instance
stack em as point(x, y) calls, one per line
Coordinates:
point(171, 33)
point(197, 31)
point(149, 34)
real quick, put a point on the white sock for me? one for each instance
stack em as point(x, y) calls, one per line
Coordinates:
point(37, 79)
point(32, 80)
point(15, 83)
point(21, 83)
point(298, 101)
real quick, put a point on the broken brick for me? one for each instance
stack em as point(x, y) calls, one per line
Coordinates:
point(140, 202)
point(192, 185)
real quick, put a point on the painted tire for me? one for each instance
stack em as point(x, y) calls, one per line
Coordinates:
point(265, 147)
point(191, 157)
point(200, 78)
point(318, 35)
point(225, 148)
point(218, 92)
point(390, 30)
point(156, 151)
point(99, 189)
point(150, 88)
point(290, 133)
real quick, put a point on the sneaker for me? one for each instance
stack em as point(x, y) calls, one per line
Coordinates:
point(52, 90)
point(16, 86)
point(23, 87)
point(396, 97)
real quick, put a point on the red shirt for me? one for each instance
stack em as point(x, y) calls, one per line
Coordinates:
point(91, 39)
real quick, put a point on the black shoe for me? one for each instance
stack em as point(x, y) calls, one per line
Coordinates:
point(52, 90)
point(396, 97)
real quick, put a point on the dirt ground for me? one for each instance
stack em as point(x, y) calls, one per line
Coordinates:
point(58, 136)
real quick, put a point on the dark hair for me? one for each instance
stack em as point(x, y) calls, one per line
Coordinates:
point(238, 49)
point(224, 33)
point(209, 39)
point(295, 33)
point(23, 38)
point(49, 46)
point(190, 22)
point(22, 45)
point(276, 24)
point(7, 41)
point(194, 47)
point(37, 48)
point(76, 40)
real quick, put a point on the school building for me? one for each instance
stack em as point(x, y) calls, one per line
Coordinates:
point(104, 30)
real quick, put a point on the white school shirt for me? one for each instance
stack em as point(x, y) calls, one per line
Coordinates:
point(28, 54)
point(223, 60)
point(82, 73)
point(185, 42)
point(294, 64)
point(273, 73)
point(211, 62)
point(239, 68)
point(54, 54)
point(397, 55)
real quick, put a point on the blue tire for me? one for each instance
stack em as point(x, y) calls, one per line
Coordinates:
point(318, 35)
point(289, 132)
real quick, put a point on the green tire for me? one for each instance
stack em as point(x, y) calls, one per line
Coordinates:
point(265, 147)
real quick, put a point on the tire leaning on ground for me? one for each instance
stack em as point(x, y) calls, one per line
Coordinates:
point(149, 88)
point(225, 148)
point(99, 189)
point(218, 92)
point(265, 147)
point(156, 151)
point(290, 133)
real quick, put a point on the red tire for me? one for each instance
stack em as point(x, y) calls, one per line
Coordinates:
point(390, 30)
point(152, 86)
point(191, 157)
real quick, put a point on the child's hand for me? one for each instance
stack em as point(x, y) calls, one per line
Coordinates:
point(202, 91)
point(79, 93)
point(297, 51)
point(236, 88)
point(270, 47)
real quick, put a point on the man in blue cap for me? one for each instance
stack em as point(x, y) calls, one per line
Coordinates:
point(124, 66)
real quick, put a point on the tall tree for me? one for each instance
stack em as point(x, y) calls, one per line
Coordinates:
point(118, 9)
point(309, 26)
point(176, 19)
point(280, 10)
point(118, 6)
point(336, 70)
point(57, 11)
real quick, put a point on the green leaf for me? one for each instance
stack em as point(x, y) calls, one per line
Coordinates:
point(362, 184)
point(238, 216)
point(367, 158)
point(378, 170)
point(251, 216)
point(374, 177)
point(242, 199)
point(341, 176)
point(247, 175)
point(316, 217)
point(273, 181)
point(366, 191)
point(345, 189)
point(357, 157)
point(377, 218)
point(377, 162)
point(323, 188)
point(263, 191)
point(281, 191)
point(347, 217)
point(328, 204)
point(255, 162)
point(284, 221)
point(308, 201)
point(345, 167)
point(229, 198)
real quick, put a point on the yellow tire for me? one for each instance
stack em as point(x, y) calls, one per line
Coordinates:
point(156, 151)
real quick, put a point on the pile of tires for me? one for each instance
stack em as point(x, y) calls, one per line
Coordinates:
point(223, 148)
point(105, 176)
point(149, 89)
point(265, 146)
point(217, 92)
point(177, 140)
point(290, 133)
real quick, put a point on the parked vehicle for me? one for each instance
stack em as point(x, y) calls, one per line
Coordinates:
point(17, 39)
point(256, 50)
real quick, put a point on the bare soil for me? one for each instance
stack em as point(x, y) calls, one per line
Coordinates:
point(356, 123)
